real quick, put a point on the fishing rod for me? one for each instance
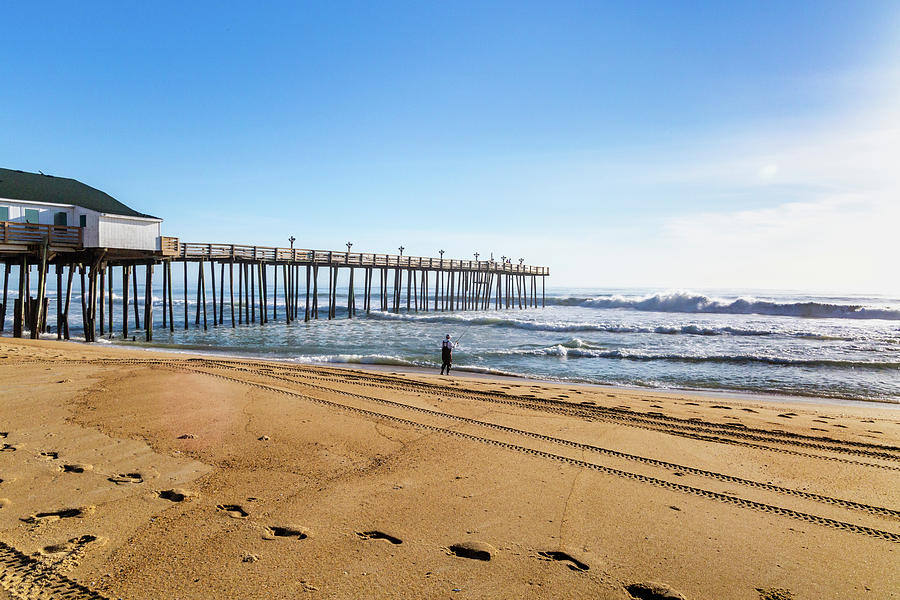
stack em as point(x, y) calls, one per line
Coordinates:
point(462, 334)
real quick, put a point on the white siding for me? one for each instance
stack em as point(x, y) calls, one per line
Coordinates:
point(101, 230)
point(45, 211)
point(116, 231)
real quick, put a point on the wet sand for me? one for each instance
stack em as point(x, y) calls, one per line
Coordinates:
point(138, 474)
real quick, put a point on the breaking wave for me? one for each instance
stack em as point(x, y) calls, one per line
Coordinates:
point(578, 349)
point(569, 327)
point(686, 302)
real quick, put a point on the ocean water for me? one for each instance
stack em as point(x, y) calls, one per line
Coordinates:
point(724, 340)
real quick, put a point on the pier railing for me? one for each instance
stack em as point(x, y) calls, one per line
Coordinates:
point(33, 233)
point(193, 251)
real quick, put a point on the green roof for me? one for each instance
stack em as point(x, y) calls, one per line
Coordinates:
point(37, 187)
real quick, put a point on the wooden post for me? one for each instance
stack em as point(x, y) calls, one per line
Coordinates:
point(84, 312)
point(315, 291)
point(201, 291)
point(330, 283)
point(252, 299)
point(240, 305)
point(286, 276)
point(109, 284)
point(68, 300)
point(275, 293)
point(165, 277)
point(102, 307)
point(59, 313)
point(409, 286)
point(261, 292)
point(19, 317)
point(351, 301)
point(148, 304)
point(247, 295)
point(231, 290)
point(222, 293)
point(212, 280)
point(369, 273)
point(171, 303)
point(126, 272)
point(137, 319)
point(6, 268)
point(90, 331)
point(185, 295)
point(306, 312)
point(36, 325)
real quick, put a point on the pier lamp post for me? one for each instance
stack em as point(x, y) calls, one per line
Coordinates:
point(521, 260)
point(401, 249)
point(349, 244)
point(476, 257)
point(292, 239)
point(441, 252)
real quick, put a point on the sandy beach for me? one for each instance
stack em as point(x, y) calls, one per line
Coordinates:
point(134, 474)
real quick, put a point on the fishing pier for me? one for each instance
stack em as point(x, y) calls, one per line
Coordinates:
point(263, 283)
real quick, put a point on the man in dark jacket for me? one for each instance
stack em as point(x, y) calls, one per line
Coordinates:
point(446, 354)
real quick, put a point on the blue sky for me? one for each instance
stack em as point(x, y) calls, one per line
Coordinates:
point(665, 144)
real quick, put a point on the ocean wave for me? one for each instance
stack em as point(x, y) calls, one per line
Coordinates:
point(569, 327)
point(686, 302)
point(570, 350)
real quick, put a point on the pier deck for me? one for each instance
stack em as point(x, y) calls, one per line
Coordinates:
point(435, 284)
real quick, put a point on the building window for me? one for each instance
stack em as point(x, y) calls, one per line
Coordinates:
point(61, 218)
point(82, 220)
point(4, 213)
point(32, 215)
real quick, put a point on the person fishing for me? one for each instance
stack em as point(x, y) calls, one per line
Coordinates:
point(447, 346)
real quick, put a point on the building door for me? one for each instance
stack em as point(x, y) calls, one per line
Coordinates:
point(61, 218)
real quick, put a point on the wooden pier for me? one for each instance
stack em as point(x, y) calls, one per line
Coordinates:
point(263, 283)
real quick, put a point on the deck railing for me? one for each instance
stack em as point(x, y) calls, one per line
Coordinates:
point(347, 259)
point(33, 233)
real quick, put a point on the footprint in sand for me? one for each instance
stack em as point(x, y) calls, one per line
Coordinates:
point(71, 545)
point(126, 478)
point(3, 434)
point(233, 510)
point(66, 513)
point(176, 495)
point(77, 468)
point(652, 590)
point(774, 594)
point(4, 502)
point(571, 562)
point(474, 550)
point(749, 410)
point(378, 535)
point(9, 448)
point(50, 455)
point(275, 532)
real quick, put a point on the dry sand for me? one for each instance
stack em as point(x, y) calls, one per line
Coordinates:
point(147, 475)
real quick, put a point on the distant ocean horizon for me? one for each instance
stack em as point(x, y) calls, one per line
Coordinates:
point(783, 343)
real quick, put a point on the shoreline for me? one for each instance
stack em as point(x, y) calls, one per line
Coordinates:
point(722, 394)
